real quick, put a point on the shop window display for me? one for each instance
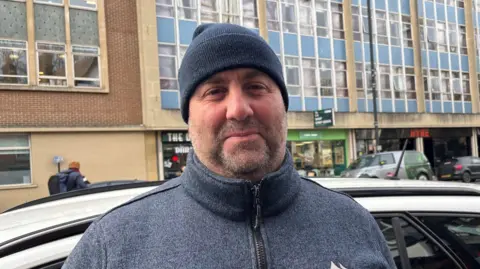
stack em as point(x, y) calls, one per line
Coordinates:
point(175, 159)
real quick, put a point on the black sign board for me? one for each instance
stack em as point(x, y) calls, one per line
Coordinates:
point(175, 137)
point(323, 118)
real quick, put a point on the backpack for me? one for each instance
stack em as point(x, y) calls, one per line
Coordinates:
point(65, 184)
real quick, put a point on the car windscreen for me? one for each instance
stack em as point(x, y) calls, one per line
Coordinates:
point(362, 162)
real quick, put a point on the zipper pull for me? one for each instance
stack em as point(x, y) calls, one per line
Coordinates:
point(256, 205)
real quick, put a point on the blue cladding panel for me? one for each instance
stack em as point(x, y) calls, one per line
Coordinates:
point(468, 107)
point(393, 5)
point(327, 102)
point(311, 103)
point(358, 52)
point(464, 63)
point(186, 29)
point(461, 15)
point(366, 50)
point(458, 107)
point(441, 12)
point(387, 105)
point(343, 104)
point(433, 60)
point(290, 44)
point(324, 48)
point(478, 21)
point(339, 49)
point(170, 100)
point(424, 59)
point(380, 4)
point(396, 55)
point(429, 10)
point(444, 61)
point(428, 107)
point(364, 3)
point(294, 103)
point(355, 2)
point(437, 106)
point(274, 41)
point(370, 105)
point(400, 106)
point(447, 107)
point(406, 6)
point(361, 105)
point(308, 46)
point(408, 52)
point(165, 30)
point(383, 54)
point(451, 14)
point(412, 106)
point(454, 61)
point(419, 8)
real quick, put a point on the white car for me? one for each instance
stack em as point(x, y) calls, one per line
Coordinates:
point(426, 224)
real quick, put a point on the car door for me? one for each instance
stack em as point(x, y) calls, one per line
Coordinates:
point(475, 167)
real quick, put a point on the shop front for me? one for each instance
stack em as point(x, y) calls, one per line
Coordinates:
point(319, 153)
point(389, 140)
point(175, 148)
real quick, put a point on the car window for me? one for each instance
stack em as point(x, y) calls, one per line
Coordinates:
point(421, 251)
point(387, 158)
point(413, 158)
point(476, 161)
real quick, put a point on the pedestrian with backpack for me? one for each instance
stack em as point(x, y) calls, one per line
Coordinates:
point(71, 179)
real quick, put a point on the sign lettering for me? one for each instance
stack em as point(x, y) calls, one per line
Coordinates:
point(324, 118)
point(420, 133)
point(176, 137)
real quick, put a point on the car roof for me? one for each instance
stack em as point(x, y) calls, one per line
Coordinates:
point(36, 217)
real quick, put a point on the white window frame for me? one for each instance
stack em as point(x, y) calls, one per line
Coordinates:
point(344, 71)
point(51, 51)
point(382, 36)
point(214, 13)
point(278, 21)
point(331, 70)
point(72, 60)
point(324, 10)
point(298, 67)
point(175, 57)
point(313, 68)
point(358, 19)
point(289, 26)
point(28, 148)
point(26, 57)
point(165, 6)
point(340, 30)
point(224, 15)
point(308, 27)
point(180, 8)
point(43, 2)
point(407, 75)
point(86, 8)
point(251, 19)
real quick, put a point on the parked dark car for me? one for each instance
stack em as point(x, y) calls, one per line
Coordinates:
point(466, 169)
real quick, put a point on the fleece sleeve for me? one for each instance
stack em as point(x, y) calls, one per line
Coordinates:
point(382, 244)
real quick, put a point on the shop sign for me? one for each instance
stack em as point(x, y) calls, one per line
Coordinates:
point(323, 118)
point(425, 133)
point(182, 150)
point(310, 135)
point(175, 137)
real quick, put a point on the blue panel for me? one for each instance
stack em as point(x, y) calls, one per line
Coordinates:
point(433, 60)
point(437, 106)
point(324, 48)
point(424, 59)
point(454, 62)
point(468, 107)
point(393, 5)
point(383, 54)
point(169, 100)
point(451, 14)
point(274, 41)
point(412, 106)
point(165, 30)
point(358, 52)
point(408, 53)
point(311, 103)
point(406, 7)
point(447, 107)
point(478, 21)
point(419, 7)
point(364, 3)
point(327, 102)
point(361, 105)
point(396, 55)
point(461, 15)
point(400, 106)
point(458, 107)
point(339, 50)
point(464, 62)
point(290, 44)
point(444, 61)
point(308, 46)
point(294, 103)
point(441, 12)
point(429, 10)
point(338, 1)
point(427, 106)
point(186, 31)
point(387, 105)
point(370, 105)
point(343, 105)
point(355, 2)
point(366, 50)
point(380, 4)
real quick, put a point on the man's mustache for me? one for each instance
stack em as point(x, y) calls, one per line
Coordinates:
point(237, 126)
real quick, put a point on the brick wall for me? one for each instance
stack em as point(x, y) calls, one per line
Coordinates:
point(121, 106)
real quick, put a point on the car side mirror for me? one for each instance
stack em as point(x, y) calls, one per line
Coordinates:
point(382, 162)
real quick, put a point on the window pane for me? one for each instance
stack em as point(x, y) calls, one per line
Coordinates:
point(85, 66)
point(341, 79)
point(167, 67)
point(49, 23)
point(309, 78)
point(168, 84)
point(15, 14)
point(292, 76)
point(326, 78)
point(13, 63)
point(321, 19)
point(84, 27)
point(51, 64)
point(14, 167)
point(288, 13)
point(13, 141)
point(84, 3)
point(272, 13)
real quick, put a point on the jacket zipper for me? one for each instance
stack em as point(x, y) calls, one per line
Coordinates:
point(257, 236)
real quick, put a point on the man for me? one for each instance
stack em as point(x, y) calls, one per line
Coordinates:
point(71, 179)
point(239, 203)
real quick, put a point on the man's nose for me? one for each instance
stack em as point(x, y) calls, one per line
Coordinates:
point(238, 104)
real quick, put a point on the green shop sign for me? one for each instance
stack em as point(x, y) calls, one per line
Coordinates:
point(323, 118)
point(309, 135)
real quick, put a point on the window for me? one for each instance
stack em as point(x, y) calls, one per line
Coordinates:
point(54, 2)
point(407, 31)
point(187, 9)
point(410, 83)
point(366, 25)
point(13, 62)
point(435, 85)
point(165, 8)
point(395, 37)
point(445, 86)
point(86, 66)
point(385, 89)
point(322, 19)
point(325, 67)
point(466, 87)
point(175, 146)
point(399, 83)
point(442, 37)
point(85, 4)
point(51, 64)
point(461, 3)
point(14, 159)
point(463, 40)
point(381, 21)
point(341, 79)
point(453, 37)
point(431, 35)
point(209, 11)
point(414, 158)
point(337, 20)
point(421, 251)
point(305, 17)
point(168, 66)
point(273, 20)
point(250, 18)
point(357, 34)
point(231, 11)
point(309, 79)
point(289, 21)
point(387, 159)
point(456, 86)
point(359, 80)
point(293, 76)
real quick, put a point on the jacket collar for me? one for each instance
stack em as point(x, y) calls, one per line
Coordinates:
point(234, 198)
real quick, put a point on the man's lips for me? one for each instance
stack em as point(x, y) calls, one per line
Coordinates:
point(241, 134)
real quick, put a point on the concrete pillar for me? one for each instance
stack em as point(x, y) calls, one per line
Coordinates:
point(417, 56)
point(472, 65)
point(419, 144)
point(349, 44)
point(161, 172)
point(474, 142)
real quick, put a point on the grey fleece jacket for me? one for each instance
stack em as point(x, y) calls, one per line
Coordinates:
point(202, 220)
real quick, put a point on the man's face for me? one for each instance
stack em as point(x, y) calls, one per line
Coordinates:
point(238, 125)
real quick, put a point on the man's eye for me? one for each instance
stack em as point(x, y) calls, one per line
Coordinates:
point(214, 91)
point(256, 86)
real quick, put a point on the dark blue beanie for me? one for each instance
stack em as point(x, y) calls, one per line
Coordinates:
point(218, 47)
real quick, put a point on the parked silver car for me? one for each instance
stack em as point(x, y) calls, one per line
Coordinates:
point(414, 165)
